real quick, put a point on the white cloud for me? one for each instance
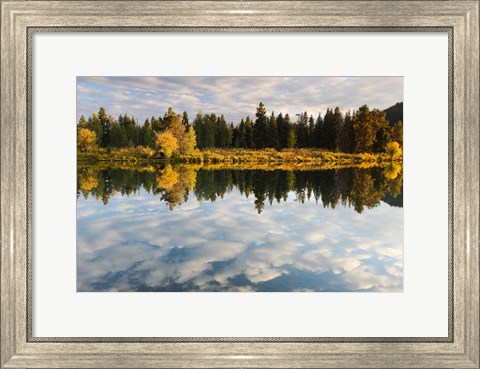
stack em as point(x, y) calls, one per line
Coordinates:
point(236, 97)
point(127, 244)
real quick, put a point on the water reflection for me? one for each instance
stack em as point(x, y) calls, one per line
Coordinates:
point(188, 228)
point(359, 188)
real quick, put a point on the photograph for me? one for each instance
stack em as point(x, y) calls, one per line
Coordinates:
point(239, 184)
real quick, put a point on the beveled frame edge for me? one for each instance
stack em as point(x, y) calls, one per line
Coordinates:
point(32, 30)
point(16, 349)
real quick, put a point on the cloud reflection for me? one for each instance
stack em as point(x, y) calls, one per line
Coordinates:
point(136, 244)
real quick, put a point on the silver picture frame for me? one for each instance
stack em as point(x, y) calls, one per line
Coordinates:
point(20, 20)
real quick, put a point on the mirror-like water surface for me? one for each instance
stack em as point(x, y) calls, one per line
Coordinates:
point(188, 228)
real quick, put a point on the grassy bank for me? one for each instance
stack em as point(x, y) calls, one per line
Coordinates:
point(241, 157)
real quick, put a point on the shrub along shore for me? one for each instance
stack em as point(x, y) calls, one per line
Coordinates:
point(142, 155)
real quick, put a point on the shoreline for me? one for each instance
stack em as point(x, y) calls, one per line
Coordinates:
point(238, 157)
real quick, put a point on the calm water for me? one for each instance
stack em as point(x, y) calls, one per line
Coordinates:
point(186, 228)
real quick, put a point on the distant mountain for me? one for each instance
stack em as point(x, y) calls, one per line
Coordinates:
point(395, 113)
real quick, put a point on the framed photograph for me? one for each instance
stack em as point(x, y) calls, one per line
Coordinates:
point(239, 184)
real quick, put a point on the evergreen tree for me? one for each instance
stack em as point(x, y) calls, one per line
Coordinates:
point(317, 132)
point(291, 138)
point(311, 132)
point(210, 122)
point(338, 123)
point(106, 126)
point(235, 137)
point(82, 123)
point(283, 130)
point(95, 125)
point(301, 130)
point(147, 134)
point(229, 142)
point(199, 127)
point(249, 142)
point(117, 136)
point(242, 135)
point(272, 132)
point(185, 118)
point(382, 127)
point(221, 132)
point(346, 135)
point(364, 130)
point(260, 127)
point(329, 131)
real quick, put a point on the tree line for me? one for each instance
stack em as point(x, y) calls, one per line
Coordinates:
point(363, 130)
point(354, 187)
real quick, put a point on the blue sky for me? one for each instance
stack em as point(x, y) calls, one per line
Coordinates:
point(235, 97)
point(129, 242)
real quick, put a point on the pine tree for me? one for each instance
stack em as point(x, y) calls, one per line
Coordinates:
point(317, 132)
point(82, 123)
point(291, 138)
point(199, 127)
point(185, 119)
point(242, 135)
point(338, 124)
point(249, 142)
point(95, 125)
point(147, 134)
point(329, 131)
point(260, 127)
point(311, 132)
point(364, 130)
point(283, 129)
point(301, 130)
point(106, 126)
point(272, 132)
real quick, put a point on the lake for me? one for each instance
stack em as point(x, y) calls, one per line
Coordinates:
point(169, 228)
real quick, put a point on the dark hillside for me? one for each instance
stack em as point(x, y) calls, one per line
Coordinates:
point(395, 113)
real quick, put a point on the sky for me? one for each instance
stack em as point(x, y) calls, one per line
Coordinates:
point(235, 97)
point(135, 241)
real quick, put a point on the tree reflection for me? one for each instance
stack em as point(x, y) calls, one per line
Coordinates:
point(358, 188)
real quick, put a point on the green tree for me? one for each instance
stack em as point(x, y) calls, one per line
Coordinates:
point(364, 130)
point(272, 131)
point(199, 127)
point(117, 136)
point(329, 131)
point(249, 141)
point(230, 135)
point(260, 130)
point(242, 134)
point(283, 130)
point(339, 125)
point(221, 132)
point(95, 125)
point(147, 134)
point(311, 132)
point(291, 137)
point(82, 122)
point(185, 118)
point(346, 134)
point(317, 132)
point(301, 130)
point(105, 121)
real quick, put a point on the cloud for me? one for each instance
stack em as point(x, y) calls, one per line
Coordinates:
point(136, 243)
point(235, 97)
